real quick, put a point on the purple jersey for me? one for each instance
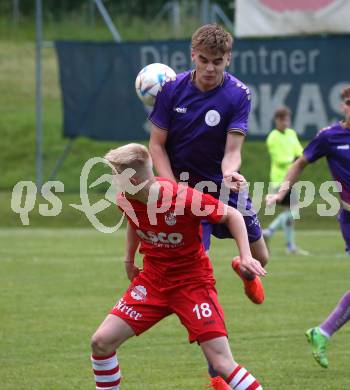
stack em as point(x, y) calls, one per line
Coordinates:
point(333, 143)
point(198, 122)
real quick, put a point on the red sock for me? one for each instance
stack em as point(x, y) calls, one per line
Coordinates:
point(106, 371)
point(241, 379)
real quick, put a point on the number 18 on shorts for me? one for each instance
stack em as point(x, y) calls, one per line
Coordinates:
point(145, 303)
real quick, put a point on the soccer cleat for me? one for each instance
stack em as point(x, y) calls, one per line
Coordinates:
point(296, 251)
point(319, 344)
point(218, 384)
point(253, 288)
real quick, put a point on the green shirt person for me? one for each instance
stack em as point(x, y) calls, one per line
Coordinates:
point(284, 148)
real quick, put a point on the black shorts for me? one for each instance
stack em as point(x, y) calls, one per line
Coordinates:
point(286, 201)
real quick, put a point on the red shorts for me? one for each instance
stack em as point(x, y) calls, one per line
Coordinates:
point(146, 302)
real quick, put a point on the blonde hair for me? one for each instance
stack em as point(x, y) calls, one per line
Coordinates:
point(132, 155)
point(212, 38)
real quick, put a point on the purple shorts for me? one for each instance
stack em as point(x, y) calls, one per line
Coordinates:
point(344, 221)
point(221, 231)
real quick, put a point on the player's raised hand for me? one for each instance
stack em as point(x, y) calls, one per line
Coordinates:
point(131, 270)
point(253, 266)
point(235, 181)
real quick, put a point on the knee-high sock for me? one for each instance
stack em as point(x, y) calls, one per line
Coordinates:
point(106, 371)
point(338, 317)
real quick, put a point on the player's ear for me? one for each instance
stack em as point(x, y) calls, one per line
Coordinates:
point(192, 55)
point(229, 58)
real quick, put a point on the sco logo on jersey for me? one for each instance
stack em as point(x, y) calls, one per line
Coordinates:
point(161, 237)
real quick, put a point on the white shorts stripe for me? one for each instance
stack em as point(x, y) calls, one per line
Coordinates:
point(108, 388)
point(246, 383)
point(238, 377)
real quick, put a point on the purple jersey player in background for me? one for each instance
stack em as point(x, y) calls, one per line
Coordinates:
point(199, 123)
point(333, 143)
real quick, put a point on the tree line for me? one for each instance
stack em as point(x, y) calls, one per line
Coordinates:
point(58, 8)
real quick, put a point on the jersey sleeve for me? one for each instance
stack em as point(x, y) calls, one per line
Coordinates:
point(160, 115)
point(317, 148)
point(205, 206)
point(239, 119)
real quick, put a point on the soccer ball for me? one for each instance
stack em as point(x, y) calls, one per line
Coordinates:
point(149, 81)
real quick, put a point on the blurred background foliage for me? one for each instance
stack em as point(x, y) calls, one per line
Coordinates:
point(134, 19)
point(58, 9)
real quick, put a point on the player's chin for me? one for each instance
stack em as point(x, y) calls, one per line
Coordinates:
point(209, 82)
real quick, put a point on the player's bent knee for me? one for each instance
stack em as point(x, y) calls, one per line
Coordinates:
point(100, 346)
point(264, 258)
point(260, 252)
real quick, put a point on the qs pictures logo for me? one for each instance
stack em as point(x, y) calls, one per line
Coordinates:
point(25, 196)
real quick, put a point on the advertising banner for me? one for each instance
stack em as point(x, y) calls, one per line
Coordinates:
point(99, 100)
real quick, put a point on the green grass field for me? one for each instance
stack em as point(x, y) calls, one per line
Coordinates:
point(58, 284)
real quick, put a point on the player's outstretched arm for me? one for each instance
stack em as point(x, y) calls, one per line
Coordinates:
point(235, 223)
point(158, 152)
point(232, 161)
point(132, 243)
point(291, 178)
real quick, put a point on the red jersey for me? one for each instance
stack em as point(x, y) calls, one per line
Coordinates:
point(170, 232)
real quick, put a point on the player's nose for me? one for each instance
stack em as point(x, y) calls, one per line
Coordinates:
point(210, 67)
